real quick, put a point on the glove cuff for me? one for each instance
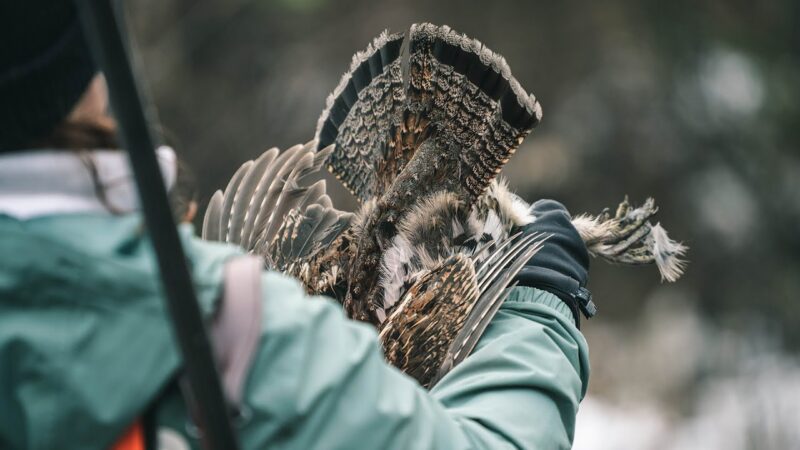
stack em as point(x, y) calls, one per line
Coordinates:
point(577, 298)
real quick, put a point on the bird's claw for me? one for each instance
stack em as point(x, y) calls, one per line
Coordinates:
point(629, 238)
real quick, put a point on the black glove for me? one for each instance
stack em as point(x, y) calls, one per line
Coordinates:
point(561, 267)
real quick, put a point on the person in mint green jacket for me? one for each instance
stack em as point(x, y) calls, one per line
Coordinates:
point(86, 349)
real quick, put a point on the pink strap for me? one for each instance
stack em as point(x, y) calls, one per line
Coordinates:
point(236, 330)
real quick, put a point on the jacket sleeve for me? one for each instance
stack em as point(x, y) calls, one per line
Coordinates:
point(320, 382)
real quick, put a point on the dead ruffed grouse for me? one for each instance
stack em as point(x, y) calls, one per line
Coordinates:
point(429, 255)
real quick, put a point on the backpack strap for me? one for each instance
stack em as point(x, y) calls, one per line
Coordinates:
point(236, 329)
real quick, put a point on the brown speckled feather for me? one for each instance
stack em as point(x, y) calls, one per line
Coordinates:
point(419, 333)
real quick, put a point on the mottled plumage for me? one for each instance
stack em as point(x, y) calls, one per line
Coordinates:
point(430, 254)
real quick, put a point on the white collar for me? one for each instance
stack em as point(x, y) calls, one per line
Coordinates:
point(47, 182)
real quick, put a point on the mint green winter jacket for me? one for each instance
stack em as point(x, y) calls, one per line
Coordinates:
point(86, 346)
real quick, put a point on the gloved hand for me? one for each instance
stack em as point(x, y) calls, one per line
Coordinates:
point(561, 267)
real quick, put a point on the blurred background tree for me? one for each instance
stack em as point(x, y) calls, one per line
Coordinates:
point(693, 102)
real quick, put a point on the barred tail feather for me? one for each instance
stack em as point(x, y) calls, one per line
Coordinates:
point(360, 114)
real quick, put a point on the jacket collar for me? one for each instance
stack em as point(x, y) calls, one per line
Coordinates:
point(47, 182)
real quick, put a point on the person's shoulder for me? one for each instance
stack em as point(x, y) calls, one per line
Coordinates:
point(208, 260)
point(201, 251)
point(207, 264)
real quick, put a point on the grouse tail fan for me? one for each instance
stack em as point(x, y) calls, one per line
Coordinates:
point(469, 114)
point(460, 109)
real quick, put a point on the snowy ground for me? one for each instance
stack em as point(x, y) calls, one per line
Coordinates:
point(677, 383)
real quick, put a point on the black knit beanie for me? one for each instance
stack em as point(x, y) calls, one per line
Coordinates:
point(45, 67)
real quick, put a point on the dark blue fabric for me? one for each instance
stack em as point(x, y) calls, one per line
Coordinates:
point(562, 265)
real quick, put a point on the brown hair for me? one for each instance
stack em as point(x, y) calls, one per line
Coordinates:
point(99, 133)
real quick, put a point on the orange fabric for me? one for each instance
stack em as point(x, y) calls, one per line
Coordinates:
point(133, 439)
